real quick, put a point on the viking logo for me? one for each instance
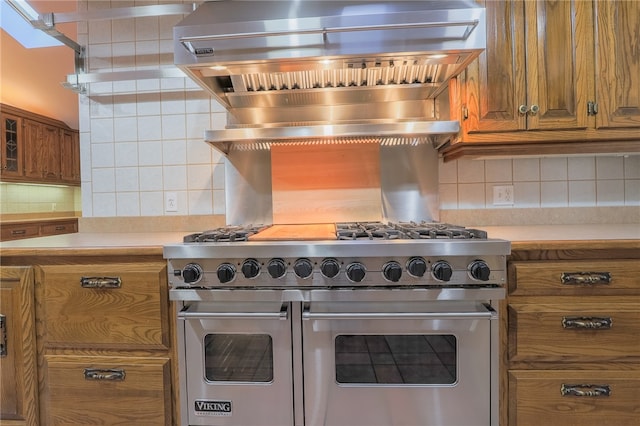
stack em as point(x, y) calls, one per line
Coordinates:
point(213, 408)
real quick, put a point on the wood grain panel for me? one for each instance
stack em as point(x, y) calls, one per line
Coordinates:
point(539, 278)
point(536, 398)
point(18, 375)
point(141, 398)
point(536, 331)
point(618, 60)
point(326, 183)
point(133, 315)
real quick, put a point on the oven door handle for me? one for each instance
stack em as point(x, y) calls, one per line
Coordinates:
point(283, 314)
point(490, 314)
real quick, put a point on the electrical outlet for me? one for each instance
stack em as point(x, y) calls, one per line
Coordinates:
point(503, 195)
point(171, 202)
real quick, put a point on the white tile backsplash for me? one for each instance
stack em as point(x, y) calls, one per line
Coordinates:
point(610, 167)
point(140, 139)
point(554, 168)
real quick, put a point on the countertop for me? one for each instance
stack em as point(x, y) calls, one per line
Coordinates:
point(150, 243)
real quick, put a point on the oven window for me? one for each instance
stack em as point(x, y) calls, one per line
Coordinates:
point(396, 359)
point(238, 357)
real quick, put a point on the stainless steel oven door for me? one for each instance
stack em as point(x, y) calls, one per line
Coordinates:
point(237, 363)
point(409, 363)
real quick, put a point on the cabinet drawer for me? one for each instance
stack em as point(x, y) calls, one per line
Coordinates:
point(18, 231)
point(579, 331)
point(56, 228)
point(573, 278)
point(112, 305)
point(574, 398)
point(106, 391)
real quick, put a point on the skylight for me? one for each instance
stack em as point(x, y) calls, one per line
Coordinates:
point(21, 30)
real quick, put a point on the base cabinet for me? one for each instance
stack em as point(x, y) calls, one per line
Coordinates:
point(18, 377)
point(106, 390)
point(104, 330)
point(604, 397)
point(572, 339)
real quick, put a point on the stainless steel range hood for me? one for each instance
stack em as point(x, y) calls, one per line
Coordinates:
point(283, 64)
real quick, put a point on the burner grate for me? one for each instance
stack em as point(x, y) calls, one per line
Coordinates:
point(225, 234)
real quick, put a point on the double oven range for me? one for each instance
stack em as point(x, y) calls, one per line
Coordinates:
point(384, 324)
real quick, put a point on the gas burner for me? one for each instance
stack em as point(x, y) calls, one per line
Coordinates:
point(437, 230)
point(225, 234)
point(367, 231)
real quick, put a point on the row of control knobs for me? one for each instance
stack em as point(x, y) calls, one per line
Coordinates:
point(356, 271)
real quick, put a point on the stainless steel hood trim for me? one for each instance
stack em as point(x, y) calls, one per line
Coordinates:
point(391, 133)
point(471, 25)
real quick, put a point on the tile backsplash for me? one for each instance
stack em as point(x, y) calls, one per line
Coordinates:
point(578, 181)
point(141, 140)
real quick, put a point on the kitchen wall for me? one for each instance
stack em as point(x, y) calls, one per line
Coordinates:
point(21, 200)
point(141, 141)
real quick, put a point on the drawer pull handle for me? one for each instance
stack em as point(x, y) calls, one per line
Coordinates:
point(18, 232)
point(585, 278)
point(585, 390)
point(587, 322)
point(3, 336)
point(100, 282)
point(100, 374)
point(61, 228)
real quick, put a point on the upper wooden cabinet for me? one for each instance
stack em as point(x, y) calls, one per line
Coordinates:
point(38, 149)
point(11, 146)
point(553, 71)
point(618, 62)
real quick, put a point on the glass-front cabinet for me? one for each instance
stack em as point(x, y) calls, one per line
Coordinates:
point(11, 155)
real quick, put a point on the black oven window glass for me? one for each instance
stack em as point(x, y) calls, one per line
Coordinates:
point(238, 357)
point(396, 359)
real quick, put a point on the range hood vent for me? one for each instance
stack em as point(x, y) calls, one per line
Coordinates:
point(269, 62)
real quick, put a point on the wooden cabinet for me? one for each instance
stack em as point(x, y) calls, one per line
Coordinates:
point(18, 377)
point(38, 149)
point(572, 351)
point(106, 347)
point(557, 77)
point(69, 157)
point(11, 146)
point(37, 228)
point(618, 64)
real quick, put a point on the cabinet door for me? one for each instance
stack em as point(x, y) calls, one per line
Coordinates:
point(495, 83)
point(33, 150)
point(18, 396)
point(560, 72)
point(618, 61)
point(70, 157)
point(91, 306)
point(105, 390)
point(12, 146)
point(51, 152)
point(598, 397)
point(537, 70)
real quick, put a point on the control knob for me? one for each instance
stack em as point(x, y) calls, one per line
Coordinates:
point(277, 268)
point(442, 270)
point(392, 271)
point(192, 273)
point(416, 266)
point(250, 268)
point(479, 270)
point(356, 272)
point(330, 268)
point(303, 268)
point(226, 272)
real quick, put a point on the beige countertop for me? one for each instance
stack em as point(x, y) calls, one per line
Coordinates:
point(522, 237)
